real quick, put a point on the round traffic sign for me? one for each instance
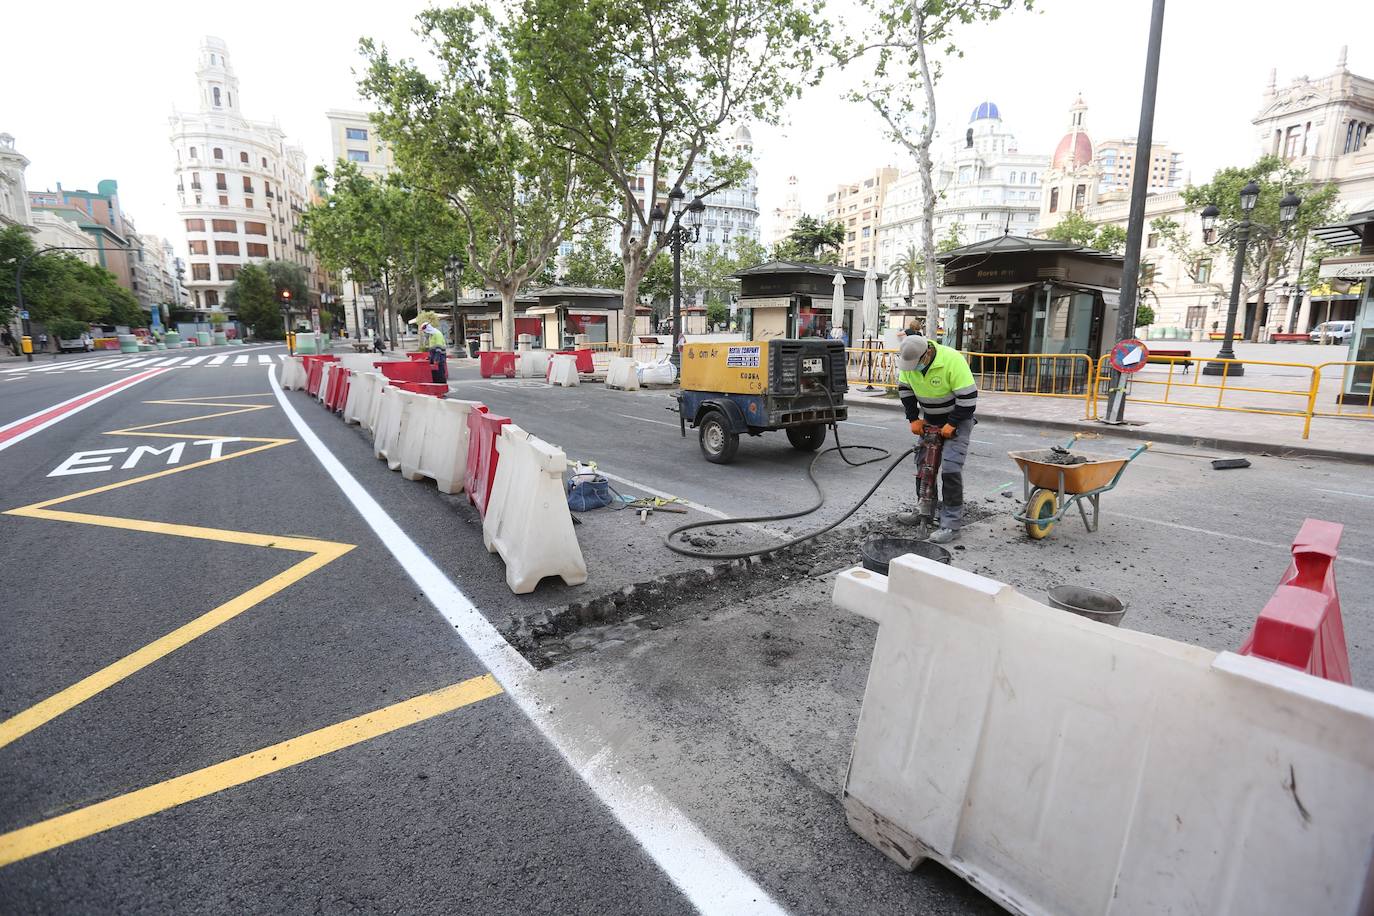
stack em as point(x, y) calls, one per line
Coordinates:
point(1130, 355)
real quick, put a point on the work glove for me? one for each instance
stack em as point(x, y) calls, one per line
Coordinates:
point(948, 431)
point(918, 427)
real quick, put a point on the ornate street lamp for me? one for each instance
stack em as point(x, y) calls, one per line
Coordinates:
point(1225, 364)
point(678, 235)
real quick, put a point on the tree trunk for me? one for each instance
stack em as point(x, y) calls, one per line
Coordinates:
point(1260, 316)
point(923, 163)
point(507, 291)
point(635, 269)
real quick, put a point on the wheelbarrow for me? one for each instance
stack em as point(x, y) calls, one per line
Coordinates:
point(1051, 488)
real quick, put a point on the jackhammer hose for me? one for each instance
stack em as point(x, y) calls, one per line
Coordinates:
point(820, 501)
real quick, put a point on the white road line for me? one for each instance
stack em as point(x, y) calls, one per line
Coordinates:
point(1236, 537)
point(868, 425)
point(113, 389)
point(218, 360)
point(51, 368)
point(1345, 493)
point(281, 356)
point(173, 361)
point(709, 878)
point(646, 420)
point(196, 359)
point(145, 361)
point(264, 360)
point(240, 360)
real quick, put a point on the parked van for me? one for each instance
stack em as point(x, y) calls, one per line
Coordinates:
point(1339, 331)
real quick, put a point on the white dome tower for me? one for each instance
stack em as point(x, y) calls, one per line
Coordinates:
point(219, 87)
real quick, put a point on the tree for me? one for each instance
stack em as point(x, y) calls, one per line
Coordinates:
point(1078, 230)
point(465, 132)
point(717, 314)
point(749, 253)
point(254, 298)
point(1144, 315)
point(592, 263)
point(905, 33)
point(812, 241)
point(708, 271)
point(58, 286)
point(650, 86)
point(909, 268)
point(1270, 250)
point(657, 286)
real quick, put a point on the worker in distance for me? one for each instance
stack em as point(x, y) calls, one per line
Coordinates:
point(937, 390)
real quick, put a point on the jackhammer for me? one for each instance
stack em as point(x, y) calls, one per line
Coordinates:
point(928, 450)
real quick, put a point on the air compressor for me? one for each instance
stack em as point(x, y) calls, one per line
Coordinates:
point(734, 388)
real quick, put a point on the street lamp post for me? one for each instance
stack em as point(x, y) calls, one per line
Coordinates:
point(678, 235)
point(460, 324)
point(1249, 196)
point(286, 319)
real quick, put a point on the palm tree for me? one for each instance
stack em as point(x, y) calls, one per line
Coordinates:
point(909, 268)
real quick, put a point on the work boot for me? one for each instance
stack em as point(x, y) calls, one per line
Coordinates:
point(944, 535)
point(908, 517)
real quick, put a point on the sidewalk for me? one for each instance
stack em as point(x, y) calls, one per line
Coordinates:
point(1220, 430)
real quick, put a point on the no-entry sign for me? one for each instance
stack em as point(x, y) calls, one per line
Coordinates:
point(1130, 355)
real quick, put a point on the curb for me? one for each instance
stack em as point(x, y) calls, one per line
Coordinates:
point(1128, 432)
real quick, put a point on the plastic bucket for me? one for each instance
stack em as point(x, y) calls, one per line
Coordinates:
point(1089, 603)
point(877, 552)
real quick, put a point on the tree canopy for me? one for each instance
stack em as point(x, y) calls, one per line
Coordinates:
point(58, 286)
point(1077, 229)
point(812, 240)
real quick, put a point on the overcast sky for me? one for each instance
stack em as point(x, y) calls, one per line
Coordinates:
point(86, 88)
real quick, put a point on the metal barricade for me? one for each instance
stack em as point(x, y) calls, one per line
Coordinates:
point(1053, 375)
point(1335, 388)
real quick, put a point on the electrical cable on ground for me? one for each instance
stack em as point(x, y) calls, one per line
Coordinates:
point(820, 501)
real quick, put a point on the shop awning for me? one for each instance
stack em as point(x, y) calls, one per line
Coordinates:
point(989, 294)
point(541, 310)
point(485, 316)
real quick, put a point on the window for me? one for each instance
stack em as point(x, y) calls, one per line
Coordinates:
point(221, 182)
point(1147, 273)
point(850, 237)
point(222, 246)
point(355, 133)
point(357, 155)
point(193, 152)
point(200, 271)
point(224, 225)
point(211, 297)
point(224, 200)
point(1197, 316)
point(216, 92)
point(1152, 241)
point(243, 157)
point(247, 184)
point(228, 271)
point(863, 262)
point(1291, 141)
point(1054, 200)
point(219, 153)
point(198, 246)
point(264, 162)
point(982, 216)
point(1080, 196)
point(866, 233)
point(257, 250)
point(195, 181)
point(254, 228)
point(248, 203)
point(195, 225)
point(1204, 273)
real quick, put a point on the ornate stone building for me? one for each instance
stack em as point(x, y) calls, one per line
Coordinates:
point(240, 185)
point(1074, 178)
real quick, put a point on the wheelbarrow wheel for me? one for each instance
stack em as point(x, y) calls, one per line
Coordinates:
point(1042, 506)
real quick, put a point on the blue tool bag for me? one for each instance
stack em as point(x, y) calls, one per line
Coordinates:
point(585, 494)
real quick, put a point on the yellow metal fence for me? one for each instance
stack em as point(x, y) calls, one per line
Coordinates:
point(1285, 389)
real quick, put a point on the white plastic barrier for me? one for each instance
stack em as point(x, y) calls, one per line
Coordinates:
point(362, 395)
point(386, 432)
point(325, 371)
point(1064, 766)
point(623, 374)
point(374, 407)
point(360, 362)
point(563, 371)
point(528, 522)
point(532, 364)
point(434, 441)
point(292, 373)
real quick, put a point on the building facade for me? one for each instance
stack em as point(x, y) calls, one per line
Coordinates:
point(985, 187)
point(353, 138)
point(858, 206)
point(1116, 159)
point(100, 217)
point(14, 192)
point(241, 187)
point(733, 213)
point(1074, 179)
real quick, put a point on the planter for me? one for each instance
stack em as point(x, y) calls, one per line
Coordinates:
point(203, 338)
point(128, 343)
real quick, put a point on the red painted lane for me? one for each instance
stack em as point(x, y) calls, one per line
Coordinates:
point(27, 426)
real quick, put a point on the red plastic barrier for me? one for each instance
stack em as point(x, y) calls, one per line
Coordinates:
point(1301, 625)
point(420, 356)
point(483, 428)
point(584, 360)
point(495, 362)
point(314, 370)
point(405, 371)
point(438, 389)
point(337, 390)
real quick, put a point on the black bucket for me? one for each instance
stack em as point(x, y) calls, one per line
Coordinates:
point(1089, 603)
point(877, 552)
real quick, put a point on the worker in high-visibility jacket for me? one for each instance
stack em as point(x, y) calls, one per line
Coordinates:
point(937, 389)
point(433, 340)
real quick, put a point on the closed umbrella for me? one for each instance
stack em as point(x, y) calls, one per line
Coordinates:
point(837, 303)
point(869, 326)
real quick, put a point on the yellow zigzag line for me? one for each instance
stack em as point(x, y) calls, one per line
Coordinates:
point(321, 553)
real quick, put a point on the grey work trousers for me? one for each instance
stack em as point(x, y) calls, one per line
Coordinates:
point(952, 476)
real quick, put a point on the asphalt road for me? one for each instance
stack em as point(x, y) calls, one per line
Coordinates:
point(734, 704)
point(454, 803)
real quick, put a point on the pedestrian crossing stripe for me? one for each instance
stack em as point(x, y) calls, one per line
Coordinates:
point(204, 361)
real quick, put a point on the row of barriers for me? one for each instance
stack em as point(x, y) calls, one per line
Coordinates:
point(1149, 776)
point(1299, 390)
point(513, 479)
